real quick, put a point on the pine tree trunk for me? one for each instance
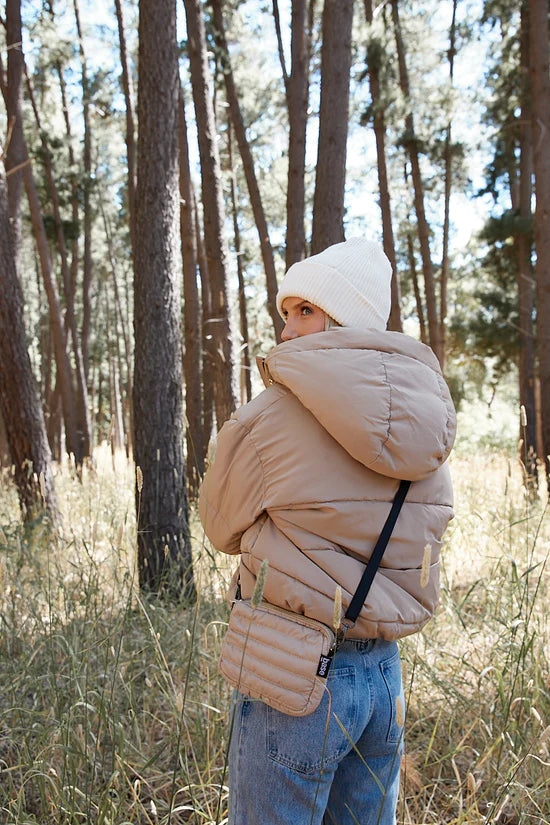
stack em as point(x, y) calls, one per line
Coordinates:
point(448, 154)
point(540, 101)
point(297, 96)
point(192, 359)
point(120, 391)
point(19, 403)
point(87, 208)
point(72, 165)
point(219, 323)
point(379, 127)
point(130, 140)
point(75, 209)
point(249, 171)
point(82, 413)
point(46, 355)
point(525, 273)
point(16, 153)
point(246, 378)
point(74, 440)
point(54, 423)
point(330, 177)
point(123, 325)
point(416, 289)
point(164, 550)
point(423, 229)
point(208, 342)
point(5, 460)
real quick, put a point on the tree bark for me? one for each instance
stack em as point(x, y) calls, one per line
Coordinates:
point(164, 549)
point(416, 289)
point(297, 96)
point(249, 171)
point(19, 403)
point(16, 153)
point(448, 158)
point(411, 144)
point(130, 131)
point(208, 342)
point(540, 98)
point(219, 323)
point(87, 209)
point(192, 359)
point(246, 379)
point(379, 127)
point(525, 273)
point(72, 163)
point(330, 177)
point(124, 325)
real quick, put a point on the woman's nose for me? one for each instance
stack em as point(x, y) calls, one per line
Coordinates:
point(288, 332)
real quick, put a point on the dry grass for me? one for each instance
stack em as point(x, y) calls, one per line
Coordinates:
point(112, 712)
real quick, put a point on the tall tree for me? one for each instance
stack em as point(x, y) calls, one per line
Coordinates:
point(511, 235)
point(75, 195)
point(129, 104)
point(208, 341)
point(540, 96)
point(448, 159)
point(246, 378)
point(411, 143)
point(16, 151)
point(297, 95)
point(374, 62)
point(19, 403)
point(86, 198)
point(330, 177)
point(123, 326)
point(75, 440)
point(82, 413)
point(219, 322)
point(164, 550)
point(522, 203)
point(249, 169)
point(192, 359)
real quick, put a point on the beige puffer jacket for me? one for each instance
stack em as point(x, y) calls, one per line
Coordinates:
point(304, 476)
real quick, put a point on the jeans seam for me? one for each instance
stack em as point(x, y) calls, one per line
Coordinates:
point(385, 666)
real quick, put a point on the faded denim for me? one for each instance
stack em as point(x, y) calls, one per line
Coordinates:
point(285, 769)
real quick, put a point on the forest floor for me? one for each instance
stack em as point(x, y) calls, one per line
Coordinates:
point(112, 710)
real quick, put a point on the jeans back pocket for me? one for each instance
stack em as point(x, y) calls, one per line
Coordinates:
point(306, 744)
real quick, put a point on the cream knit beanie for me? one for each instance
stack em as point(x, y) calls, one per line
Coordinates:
point(350, 281)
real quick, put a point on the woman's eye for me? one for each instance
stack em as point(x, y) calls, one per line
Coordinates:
point(306, 310)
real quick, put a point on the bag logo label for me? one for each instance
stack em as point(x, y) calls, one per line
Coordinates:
point(323, 666)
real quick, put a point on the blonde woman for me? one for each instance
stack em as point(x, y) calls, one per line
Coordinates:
point(304, 476)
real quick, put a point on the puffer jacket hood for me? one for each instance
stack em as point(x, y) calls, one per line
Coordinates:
point(370, 390)
point(304, 476)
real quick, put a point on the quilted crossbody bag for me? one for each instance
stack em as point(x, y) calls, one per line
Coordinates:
point(284, 658)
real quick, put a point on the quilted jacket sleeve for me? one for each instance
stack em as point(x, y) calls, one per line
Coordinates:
point(232, 493)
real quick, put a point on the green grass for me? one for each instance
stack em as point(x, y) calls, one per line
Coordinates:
point(112, 711)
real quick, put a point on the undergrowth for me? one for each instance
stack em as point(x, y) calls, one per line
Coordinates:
point(112, 710)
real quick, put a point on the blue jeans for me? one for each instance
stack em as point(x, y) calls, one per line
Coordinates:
point(337, 766)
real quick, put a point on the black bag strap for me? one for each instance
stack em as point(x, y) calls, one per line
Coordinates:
point(358, 599)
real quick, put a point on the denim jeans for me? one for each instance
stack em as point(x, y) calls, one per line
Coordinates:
point(337, 766)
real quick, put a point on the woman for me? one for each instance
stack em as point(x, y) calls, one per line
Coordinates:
point(304, 476)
